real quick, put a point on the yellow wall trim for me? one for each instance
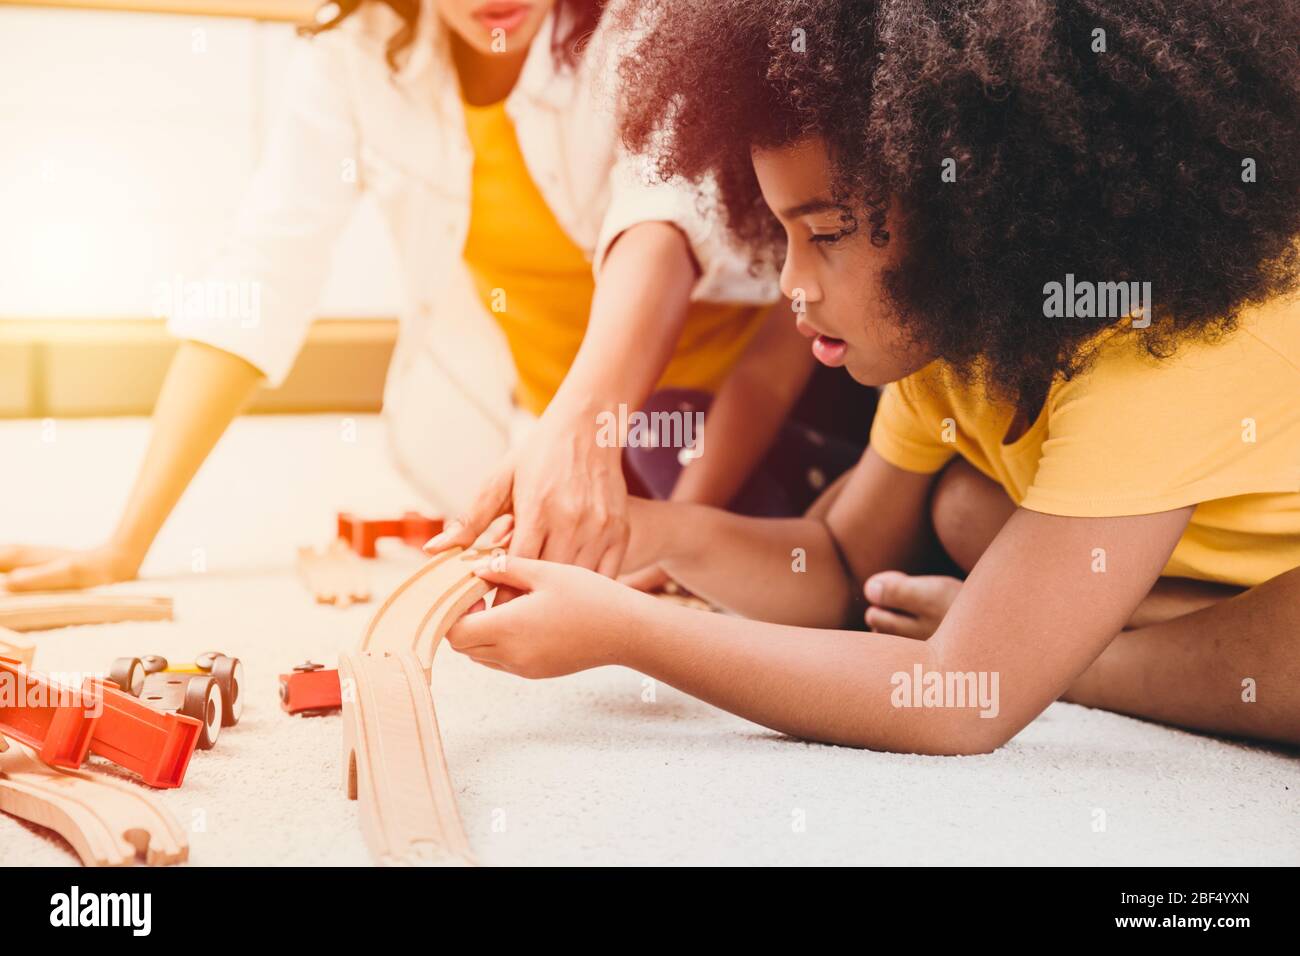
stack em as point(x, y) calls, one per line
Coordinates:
point(78, 368)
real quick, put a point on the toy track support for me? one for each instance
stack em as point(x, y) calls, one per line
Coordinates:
point(15, 647)
point(108, 823)
point(57, 721)
point(394, 763)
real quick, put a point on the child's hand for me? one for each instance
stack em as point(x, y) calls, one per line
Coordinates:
point(566, 619)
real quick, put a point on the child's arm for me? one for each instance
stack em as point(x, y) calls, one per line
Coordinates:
point(1030, 619)
point(204, 390)
point(805, 571)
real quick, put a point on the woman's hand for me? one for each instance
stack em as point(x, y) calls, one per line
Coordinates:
point(59, 569)
point(567, 494)
point(566, 619)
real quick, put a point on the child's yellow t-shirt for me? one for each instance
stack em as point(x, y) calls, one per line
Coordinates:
point(1216, 426)
point(538, 284)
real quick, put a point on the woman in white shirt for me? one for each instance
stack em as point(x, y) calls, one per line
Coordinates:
point(442, 110)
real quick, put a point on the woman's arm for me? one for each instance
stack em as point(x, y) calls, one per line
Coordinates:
point(204, 390)
point(1033, 615)
point(566, 491)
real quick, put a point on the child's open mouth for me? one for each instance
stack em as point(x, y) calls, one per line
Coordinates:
point(829, 351)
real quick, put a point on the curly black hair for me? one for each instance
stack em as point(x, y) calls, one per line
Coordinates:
point(1113, 139)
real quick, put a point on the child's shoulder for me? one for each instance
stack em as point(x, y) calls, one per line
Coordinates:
point(1262, 350)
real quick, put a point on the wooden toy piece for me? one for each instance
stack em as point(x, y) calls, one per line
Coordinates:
point(15, 647)
point(394, 764)
point(311, 690)
point(335, 576)
point(392, 751)
point(56, 720)
point(37, 612)
point(361, 534)
point(211, 690)
point(419, 612)
point(108, 823)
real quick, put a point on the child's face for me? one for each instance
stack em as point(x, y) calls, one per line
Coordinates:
point(495, 26)
point(832, 270)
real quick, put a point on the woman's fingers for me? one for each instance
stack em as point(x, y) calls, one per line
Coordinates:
point(25, 555)
point(60, 575)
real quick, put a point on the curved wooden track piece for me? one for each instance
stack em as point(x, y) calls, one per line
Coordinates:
point(38, 612)
point(108, 823)
point(417, 615)
point(393, 757)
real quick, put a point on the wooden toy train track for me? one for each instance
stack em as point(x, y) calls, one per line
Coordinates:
point(393, 757)
point(107, 822)
point(38, 612)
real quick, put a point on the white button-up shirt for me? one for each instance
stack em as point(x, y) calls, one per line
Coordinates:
point(352, 125)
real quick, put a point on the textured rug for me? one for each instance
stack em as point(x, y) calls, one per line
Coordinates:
point(599, 768)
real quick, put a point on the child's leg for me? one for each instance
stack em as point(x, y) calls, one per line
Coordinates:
point(1231, 668)
point(1198, 655)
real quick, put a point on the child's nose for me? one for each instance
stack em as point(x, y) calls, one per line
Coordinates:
point(797, 283)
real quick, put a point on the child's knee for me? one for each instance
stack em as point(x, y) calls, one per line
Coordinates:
point(967, 510)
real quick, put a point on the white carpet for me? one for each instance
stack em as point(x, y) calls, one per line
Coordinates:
point(582, 769)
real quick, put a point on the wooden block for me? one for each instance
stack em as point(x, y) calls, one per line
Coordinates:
point(108, 823)
point(17, 648)
point(335, 575)
point(37, 612)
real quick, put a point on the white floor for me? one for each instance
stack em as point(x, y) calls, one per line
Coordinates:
point(597, 768)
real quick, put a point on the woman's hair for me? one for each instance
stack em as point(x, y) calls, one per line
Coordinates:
point(574, 22)
point(1118, 140)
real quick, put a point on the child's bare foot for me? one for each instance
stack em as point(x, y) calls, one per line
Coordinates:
point(908, 605)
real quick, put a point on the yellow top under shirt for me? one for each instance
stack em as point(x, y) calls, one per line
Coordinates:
point(1215, 426)
point(538, 284)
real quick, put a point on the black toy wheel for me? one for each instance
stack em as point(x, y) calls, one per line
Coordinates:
point(154, 663)
point(128, 674)
point(203, 703)
point(229, 675)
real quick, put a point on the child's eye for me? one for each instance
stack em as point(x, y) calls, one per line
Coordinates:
point(829, 237)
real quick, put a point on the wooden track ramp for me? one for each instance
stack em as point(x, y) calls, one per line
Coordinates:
point(394, 763)
point(107, 822)
point(393, 757)
point(37, 612)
